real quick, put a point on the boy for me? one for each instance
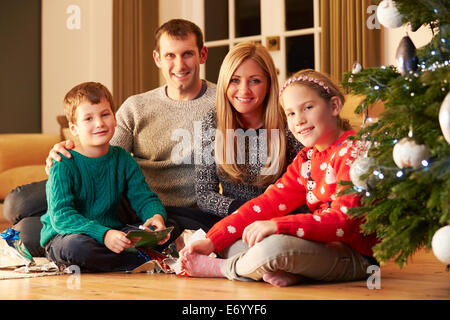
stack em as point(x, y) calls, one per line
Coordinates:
point(81, 226)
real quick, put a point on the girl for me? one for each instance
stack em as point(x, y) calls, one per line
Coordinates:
point(325, 244)
point(247, 106)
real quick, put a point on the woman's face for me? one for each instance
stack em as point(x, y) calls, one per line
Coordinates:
point(246, 92)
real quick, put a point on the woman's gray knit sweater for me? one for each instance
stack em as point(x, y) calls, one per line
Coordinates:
point(233, 195)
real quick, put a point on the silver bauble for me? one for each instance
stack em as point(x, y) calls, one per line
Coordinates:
point(444, 117)
point(407, 153)
point(388, 14)
point(359, 167)
point(405, 56)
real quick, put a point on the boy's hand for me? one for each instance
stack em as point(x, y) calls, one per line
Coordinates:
point(157, 222)
point(60, 147)
point(116, 241)
point(257, 231)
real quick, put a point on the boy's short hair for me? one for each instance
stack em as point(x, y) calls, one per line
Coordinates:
point(179, 29)
point(90, 91)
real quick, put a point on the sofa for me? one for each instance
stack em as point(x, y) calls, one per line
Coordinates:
point(22, 160)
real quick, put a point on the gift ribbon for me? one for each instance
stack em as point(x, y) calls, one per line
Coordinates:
point(10, 234)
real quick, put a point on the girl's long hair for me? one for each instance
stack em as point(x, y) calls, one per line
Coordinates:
point(227, 117)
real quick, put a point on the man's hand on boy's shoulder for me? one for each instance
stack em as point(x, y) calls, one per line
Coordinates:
point(60, 147)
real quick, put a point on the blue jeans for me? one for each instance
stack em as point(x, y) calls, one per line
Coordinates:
point(25, 205)
point(90, 255)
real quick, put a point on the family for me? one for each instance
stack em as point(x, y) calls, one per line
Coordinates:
point(272, 211)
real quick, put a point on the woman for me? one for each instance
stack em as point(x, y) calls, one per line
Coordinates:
point(246, 144)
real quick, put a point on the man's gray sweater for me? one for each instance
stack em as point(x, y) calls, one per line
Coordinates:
point(159, 132)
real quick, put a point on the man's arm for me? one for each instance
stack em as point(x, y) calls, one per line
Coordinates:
point(61, 148)
point(124, 134)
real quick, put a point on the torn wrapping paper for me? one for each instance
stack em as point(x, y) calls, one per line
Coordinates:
point(13, 252)
point(156, 263)
point(185, 239)
point(43, 266)
point(167, 262)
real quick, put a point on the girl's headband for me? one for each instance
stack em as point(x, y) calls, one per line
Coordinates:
point(304, 78)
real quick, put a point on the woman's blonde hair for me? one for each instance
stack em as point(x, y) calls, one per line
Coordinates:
point(227, 116)
point(322, 85)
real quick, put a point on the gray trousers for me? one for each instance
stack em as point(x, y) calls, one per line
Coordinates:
point(320, 261)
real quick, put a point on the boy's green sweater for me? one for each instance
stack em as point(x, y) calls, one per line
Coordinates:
point(83, 194)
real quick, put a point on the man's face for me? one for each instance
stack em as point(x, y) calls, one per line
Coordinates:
point(179, 61)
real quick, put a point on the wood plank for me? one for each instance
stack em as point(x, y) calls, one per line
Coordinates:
point(423, 278)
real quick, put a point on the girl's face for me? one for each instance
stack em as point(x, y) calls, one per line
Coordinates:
point(246, 92)
point(311, 119)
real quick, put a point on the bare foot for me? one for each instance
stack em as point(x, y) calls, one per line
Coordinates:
point(282, 278)
point(199, 265)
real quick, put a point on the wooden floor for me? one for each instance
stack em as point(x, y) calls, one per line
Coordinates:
point(423, 278)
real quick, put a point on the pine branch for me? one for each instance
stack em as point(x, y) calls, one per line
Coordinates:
point(406, 206)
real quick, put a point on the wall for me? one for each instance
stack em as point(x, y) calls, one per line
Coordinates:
point(20, 67)
point(392, 39)
point(73, 51)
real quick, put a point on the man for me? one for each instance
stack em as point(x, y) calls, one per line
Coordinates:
point(145, 126)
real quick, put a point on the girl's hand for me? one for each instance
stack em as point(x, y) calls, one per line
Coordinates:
point(116, 241)
point(205, 247)
point(157, 222)
point(257, 231)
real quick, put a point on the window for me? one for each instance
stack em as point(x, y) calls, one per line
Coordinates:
point(295, 22)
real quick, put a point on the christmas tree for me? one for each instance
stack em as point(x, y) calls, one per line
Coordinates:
point(404, 176)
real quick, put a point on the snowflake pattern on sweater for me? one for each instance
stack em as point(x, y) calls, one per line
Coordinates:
point(313, 178)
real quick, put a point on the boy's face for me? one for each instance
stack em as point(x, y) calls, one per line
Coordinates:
point(95, 123)
point(179, 61)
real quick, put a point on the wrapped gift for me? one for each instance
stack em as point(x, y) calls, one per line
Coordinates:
point(13, 252)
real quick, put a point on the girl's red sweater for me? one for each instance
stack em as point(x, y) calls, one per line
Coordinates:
point(312, 178)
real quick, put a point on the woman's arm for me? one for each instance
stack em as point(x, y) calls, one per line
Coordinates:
point(207, 189)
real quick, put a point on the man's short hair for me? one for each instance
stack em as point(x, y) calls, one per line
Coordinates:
point(179, 29)
point(86, 91)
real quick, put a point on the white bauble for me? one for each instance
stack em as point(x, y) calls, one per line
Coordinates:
point(441, 244)
point(359, 167)
point(388, 14)
point(444, 117)
point(357, 67)
point(407, 153)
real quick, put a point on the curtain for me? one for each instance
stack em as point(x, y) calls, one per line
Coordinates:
point(134, 24)
point(346, 38)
